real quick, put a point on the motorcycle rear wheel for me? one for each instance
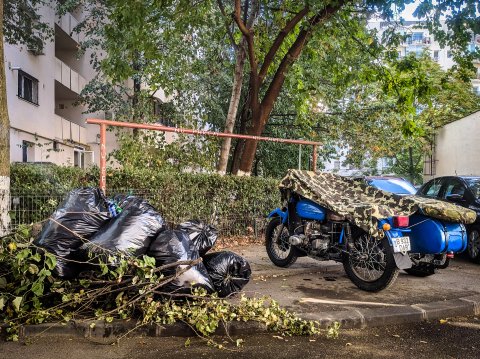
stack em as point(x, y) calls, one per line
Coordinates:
point(369, 263)
point(279, 250)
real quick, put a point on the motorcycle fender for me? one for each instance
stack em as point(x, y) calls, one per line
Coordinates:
point(402, 261)
point(277, 212)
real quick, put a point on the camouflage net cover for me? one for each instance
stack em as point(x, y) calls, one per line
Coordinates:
point(364, 205)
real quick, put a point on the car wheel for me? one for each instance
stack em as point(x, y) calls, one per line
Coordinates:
point(473, 246)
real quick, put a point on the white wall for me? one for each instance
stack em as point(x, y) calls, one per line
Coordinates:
point(458, 147)
point(40, 124)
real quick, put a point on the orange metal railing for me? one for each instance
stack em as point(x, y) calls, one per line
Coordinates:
point(146, 126)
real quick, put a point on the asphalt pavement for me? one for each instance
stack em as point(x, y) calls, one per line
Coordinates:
point(455, 338)
point(322, 291)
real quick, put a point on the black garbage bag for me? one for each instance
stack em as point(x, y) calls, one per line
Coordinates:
point(130, 232)
point(229, 271)
point(172, 246)
point(80, 215)
point(202, 235)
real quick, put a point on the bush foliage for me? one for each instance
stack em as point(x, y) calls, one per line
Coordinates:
point(177, 196)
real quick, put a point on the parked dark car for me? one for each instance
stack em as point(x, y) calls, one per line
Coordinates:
point(464, 191)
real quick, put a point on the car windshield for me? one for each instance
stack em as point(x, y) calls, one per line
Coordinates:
point(394, 185)
point(474, 185)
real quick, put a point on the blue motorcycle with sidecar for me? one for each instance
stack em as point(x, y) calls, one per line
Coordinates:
point(415, 243)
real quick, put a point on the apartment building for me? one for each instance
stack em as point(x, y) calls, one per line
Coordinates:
point(418, 39)
point(46, 123)
point(42, 88)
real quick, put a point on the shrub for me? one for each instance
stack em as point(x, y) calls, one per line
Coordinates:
point(177, 196)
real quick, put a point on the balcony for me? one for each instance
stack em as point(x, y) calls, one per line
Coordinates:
point(67, 131)
point(68, 77)
point(68, 23)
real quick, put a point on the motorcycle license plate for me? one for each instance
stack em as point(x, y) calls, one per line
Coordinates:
point(401, 244)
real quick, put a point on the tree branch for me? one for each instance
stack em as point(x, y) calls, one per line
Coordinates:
point(293, 54)
point(279, 41)
point(237, 16)
point(253, 13)
point(229, 31)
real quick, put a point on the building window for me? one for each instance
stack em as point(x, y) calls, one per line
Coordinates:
point(27, 87)
point(436, 54)
point(28, 151)
point(79, 157)
point(417, 37)
point(449, 54)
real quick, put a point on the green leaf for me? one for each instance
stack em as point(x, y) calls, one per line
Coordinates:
point(149, 261)
point(16, 303)
point(37, 288)
point(2, 303)
point(104, 268)
point(36, 257)
point(3, 282)
point(24, 253)
point(50, 261)
point(33, 269)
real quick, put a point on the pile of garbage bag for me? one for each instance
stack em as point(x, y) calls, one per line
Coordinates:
point(87, 227)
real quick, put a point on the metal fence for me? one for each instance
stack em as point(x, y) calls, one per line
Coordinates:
point(28, 208)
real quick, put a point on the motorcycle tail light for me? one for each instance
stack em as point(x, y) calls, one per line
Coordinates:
point(400, 221)
point(450, 255)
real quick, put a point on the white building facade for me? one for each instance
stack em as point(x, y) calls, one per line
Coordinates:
point(45, 126)
point(456, 149)
point(46, 123)
point(418, 39)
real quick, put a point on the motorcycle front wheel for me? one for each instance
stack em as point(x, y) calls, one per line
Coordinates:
point(369, 263)
point(279, 250)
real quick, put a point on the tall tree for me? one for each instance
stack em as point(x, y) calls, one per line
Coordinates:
point(438, 97)
point(297, 23)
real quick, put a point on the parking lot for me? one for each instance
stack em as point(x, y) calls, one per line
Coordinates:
point(321, 290)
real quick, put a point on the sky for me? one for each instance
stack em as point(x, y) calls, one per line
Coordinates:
point(409, 9)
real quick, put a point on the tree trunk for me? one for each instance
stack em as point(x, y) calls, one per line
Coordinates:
point(411, 169)
point(250, 148)
point(4, 141)
point(232, 109)
point(237, 153)
point(261, 108)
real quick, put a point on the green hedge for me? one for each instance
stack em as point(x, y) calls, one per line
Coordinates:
point(177, 196)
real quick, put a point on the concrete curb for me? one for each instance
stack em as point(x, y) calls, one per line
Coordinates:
point(349, 319)
point(362, 318)
point(111, 331)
